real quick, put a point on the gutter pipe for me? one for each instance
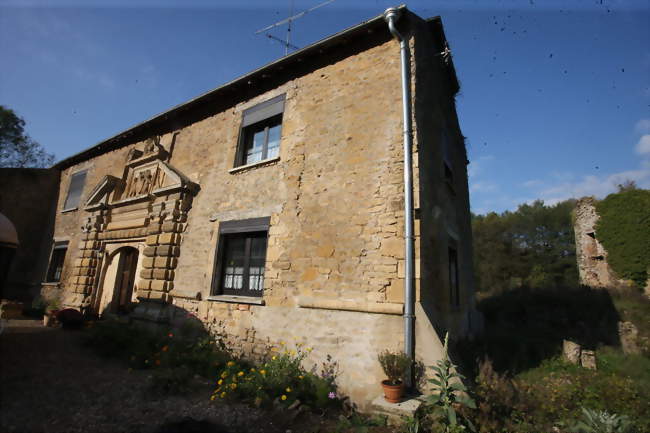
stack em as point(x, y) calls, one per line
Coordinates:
point(391, 15)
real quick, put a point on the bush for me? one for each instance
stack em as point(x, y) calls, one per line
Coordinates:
point(281, 379)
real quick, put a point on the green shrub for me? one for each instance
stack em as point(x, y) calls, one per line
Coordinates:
point(395, 365)
point(624, 231)
point(281, 379)
point(594, 421)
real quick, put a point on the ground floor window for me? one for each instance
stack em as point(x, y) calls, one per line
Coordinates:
point(241, 258)
point(56, 262)
point(454, 290)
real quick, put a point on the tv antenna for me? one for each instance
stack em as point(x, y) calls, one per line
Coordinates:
point(287, 43)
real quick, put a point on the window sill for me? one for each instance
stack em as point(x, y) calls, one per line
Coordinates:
point(254, 164)
point(69, 210)
point(50, 283)
point(237, 299)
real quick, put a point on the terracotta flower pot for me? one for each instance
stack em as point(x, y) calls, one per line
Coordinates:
point(393, 393)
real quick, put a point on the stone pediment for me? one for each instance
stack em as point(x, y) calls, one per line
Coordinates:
point(146, 174)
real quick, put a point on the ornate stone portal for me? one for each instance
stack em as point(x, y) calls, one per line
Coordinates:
point(149, 205)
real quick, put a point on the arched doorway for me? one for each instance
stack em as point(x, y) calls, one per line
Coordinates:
point(119, 280)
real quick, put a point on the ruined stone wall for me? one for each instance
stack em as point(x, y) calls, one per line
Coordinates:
point(27, 197)
point(593, 268)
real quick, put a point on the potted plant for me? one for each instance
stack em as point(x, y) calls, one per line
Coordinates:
point(51, 310)
point(396, 366)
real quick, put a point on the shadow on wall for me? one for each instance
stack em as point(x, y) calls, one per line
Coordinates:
point(523, 327)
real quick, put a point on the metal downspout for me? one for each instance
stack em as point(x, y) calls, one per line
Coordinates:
point(391, 15)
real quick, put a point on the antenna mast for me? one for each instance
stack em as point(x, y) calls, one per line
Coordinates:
point(287, 44)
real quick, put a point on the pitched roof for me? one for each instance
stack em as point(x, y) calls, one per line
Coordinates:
point(336, 45)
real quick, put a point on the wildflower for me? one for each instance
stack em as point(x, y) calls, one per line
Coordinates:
point(293, 353)
point(282, 343)
point(331, 395)
point(224, 375)
point(301, 377)
point(284, 397)
point(274, 349)
point(223, 394)
point(263, 372)
point(220, 382)
point(240, 374)
point(252, 370)
point(288, 389)
point(230, 363)
point(164, 349)
point(309, 349)
point(274, 358)
point(233, 386)
point(170, 335)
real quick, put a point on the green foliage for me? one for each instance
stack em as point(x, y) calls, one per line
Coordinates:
point(359, 423)
point(395, 365)
point(174, 355)
point(17, 149)
point(595, 421)
point(451, 394)
point(624, 231)
point(533, 246)
point(280, 379)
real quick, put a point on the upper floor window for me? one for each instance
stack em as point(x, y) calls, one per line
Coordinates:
point(77, 181)
point(241, 258)
point(56, 262)
point(259, 138)
point(448, 172)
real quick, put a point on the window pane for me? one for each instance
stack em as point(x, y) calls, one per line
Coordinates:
point(56, 264)
point(234, 263)
point(274, 141)
point(74, 191)
point(254, 151)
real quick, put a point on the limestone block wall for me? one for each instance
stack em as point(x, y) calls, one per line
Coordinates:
point(334, 273)
point(593, 268)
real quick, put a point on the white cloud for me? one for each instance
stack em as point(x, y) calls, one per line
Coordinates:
point(533, 183)
point(482, 186)
point(643, 146)
point(642, 125)
point(477, 166)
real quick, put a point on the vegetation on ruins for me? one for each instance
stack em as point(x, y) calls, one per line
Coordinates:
point(624, 231)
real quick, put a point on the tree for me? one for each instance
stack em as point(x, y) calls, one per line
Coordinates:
point(17, 149)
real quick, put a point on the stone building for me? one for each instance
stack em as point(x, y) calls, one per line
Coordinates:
point(272, 207)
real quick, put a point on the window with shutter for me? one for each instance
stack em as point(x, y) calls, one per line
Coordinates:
point(77, 181)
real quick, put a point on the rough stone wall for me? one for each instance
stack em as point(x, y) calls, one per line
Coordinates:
point(334, 272)
point(27, 197)
point(593, 268)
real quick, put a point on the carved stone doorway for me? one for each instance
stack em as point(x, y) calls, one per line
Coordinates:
point(119, 279)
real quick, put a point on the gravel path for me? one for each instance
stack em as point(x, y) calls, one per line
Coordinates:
point(50, 383)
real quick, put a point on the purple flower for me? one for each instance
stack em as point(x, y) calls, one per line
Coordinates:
point(332, 394)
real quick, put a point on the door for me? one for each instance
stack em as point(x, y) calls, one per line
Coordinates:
point(124, 280)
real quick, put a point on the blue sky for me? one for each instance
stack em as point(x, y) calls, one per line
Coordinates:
point(554, 102)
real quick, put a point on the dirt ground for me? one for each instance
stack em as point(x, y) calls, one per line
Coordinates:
point(50, 383)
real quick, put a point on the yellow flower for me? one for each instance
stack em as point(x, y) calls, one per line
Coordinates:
point(263, 372)
point(212, 398)
point(224, 375)
point(233, 386)
point(223, 394)
point(284, 397)
point(274, 349)
point(240, 374)
point(274, 358)
point(252, 370)
point(220, 382)
point(293, 353)
point(288, 389)
point(309, 349)
point(282, 343)
point(230, 363)
point(301, 377)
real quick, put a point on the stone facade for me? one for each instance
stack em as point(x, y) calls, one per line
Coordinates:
point(27, 199)
point(333, 277)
